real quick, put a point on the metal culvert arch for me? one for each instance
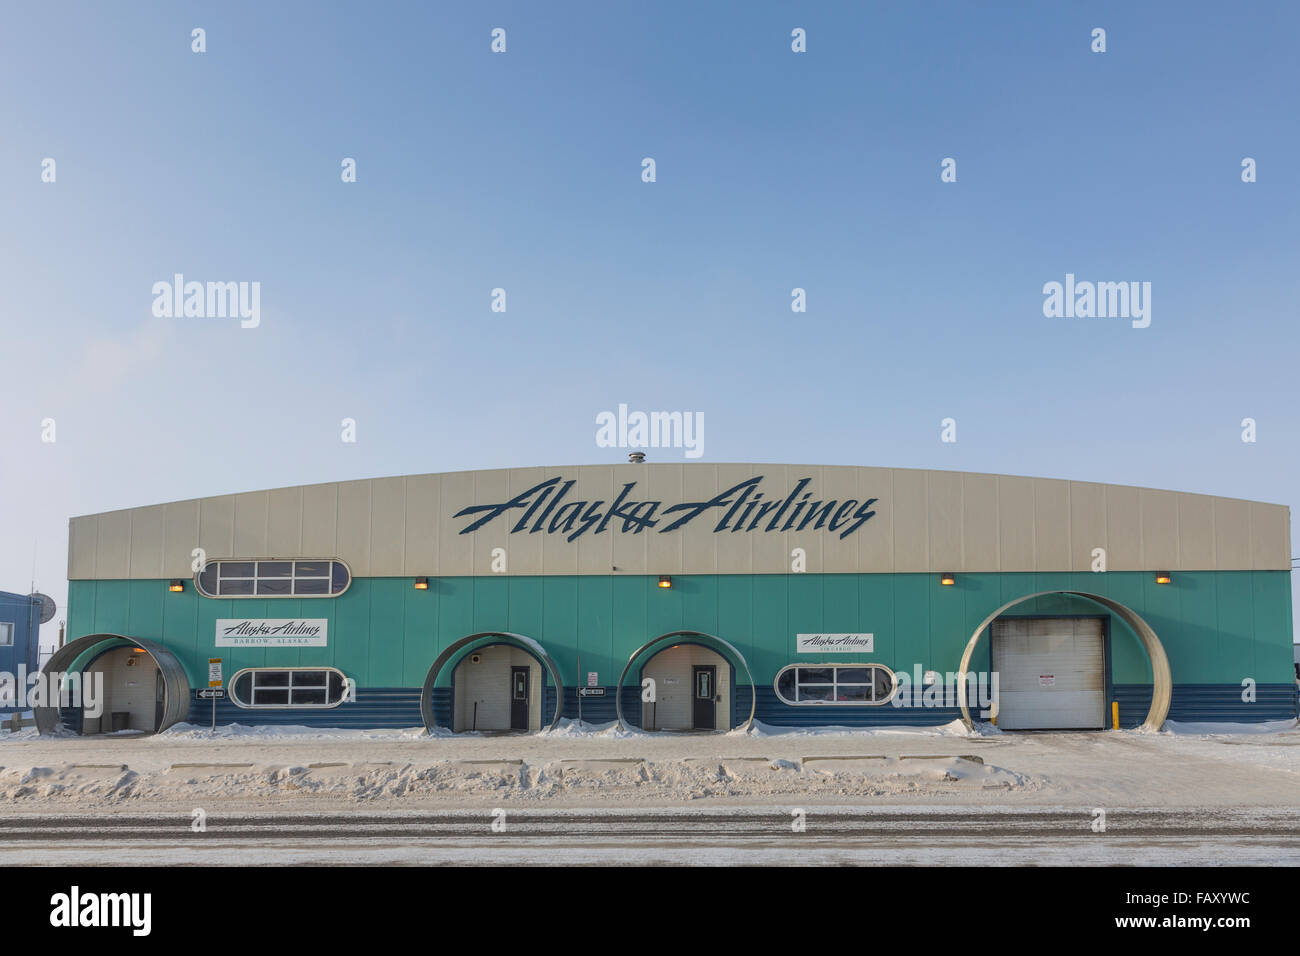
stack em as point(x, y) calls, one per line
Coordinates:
point(707, 640)
point(497, 637)
point(1162, 680)
point(176, 684)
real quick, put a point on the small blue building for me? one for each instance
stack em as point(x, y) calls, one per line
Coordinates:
point(20, 621)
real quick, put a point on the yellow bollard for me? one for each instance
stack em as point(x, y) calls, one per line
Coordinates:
point(1114, 715)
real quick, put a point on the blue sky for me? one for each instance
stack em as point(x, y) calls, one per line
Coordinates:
point(522, 171)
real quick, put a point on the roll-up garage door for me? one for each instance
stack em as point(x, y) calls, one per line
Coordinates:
point(1051, 673)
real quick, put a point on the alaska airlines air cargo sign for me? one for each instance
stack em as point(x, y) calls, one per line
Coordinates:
point(549, 509)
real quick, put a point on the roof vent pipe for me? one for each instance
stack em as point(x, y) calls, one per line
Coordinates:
point(636, 457)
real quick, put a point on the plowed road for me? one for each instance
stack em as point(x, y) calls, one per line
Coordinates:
point(759, 836)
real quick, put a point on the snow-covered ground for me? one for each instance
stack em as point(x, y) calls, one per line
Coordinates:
point(604, 766)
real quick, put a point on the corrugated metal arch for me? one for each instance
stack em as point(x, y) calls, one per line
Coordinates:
point(722, 647)
point(501, 637)
point(176, 684)
point(1162, 680)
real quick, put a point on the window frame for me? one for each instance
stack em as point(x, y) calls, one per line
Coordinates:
point(289, 687)
point(292, 578)
point(834, 684)
point(7, 627)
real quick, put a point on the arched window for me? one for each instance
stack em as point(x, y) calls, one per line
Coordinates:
point(300, 687)
point(854, 685)
point(273, 578)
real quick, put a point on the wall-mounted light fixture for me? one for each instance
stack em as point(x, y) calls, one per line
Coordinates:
point(422, 584)
point(665, 581)
point(1163, 577)
point(947, 579)
point(176, 585)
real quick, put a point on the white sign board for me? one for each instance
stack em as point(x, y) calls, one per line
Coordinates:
point(214, 672)
point(593, 679)
point(272, 632)
point(835, 643)
point(1046, 680)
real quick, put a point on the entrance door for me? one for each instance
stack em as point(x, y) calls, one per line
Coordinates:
point(1051, 673)
point(519, 698)
point(704, 678)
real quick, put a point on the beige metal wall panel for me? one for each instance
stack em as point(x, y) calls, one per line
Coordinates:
point(423, 506)
point(875, 538)
point(1016, 524)
point(627, 550)
point(559, 556)
point(663, 551)
point(980, 544)
point(83, 537)
point(524, 549)
point(455, 550)
point(284, 522)
point(1270, 536)
point(1124, 529)
point(388, 527)
point(911, 531)
point(838, 484)
point(1232, 534)
point(945, 510)
point(320, 518)
point(1159, 529)
point(181, 537)
point(147, 529)
point(731, 549)
point(217, 527)
point(925, 522)
point(352, 542)
point(698, 547)
point(492, 487)
point(250, 524)
point(813, 542)
point(1087, 523)
point(1051, 524)
point(113, 544)
point(1195, 533)
point(595, 551)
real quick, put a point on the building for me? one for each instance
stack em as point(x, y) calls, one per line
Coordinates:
point(20, 622)
point(684, 596)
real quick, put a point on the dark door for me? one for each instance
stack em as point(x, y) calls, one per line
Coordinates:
point(159, 695)
point(519, 698)
point(704, 678)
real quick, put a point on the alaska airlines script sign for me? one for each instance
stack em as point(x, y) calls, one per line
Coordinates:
point(547, 508)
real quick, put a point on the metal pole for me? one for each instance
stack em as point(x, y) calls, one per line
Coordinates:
point(581, 685)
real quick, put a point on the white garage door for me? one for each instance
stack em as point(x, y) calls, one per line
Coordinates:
point(1051, 673)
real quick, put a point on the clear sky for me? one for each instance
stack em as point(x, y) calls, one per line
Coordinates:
point(523, 171)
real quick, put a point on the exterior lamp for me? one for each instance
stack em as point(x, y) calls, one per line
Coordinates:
point(665, 581)
point(176, 585)
point(947, 579)
point(422, 584)
point(1162, 577)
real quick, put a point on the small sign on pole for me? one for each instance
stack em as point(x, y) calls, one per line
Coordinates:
point(593, 679)
point(215, 682)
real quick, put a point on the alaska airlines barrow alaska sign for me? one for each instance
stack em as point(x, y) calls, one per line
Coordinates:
point(740, 508)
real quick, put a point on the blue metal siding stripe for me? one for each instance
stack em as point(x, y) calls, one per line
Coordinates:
point(399, 707)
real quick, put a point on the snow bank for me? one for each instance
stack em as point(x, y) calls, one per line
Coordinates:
point(186, 731)
point(1192, 728)
point(954, 729)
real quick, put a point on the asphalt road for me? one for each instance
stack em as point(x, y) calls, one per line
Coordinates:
point(757, 836)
